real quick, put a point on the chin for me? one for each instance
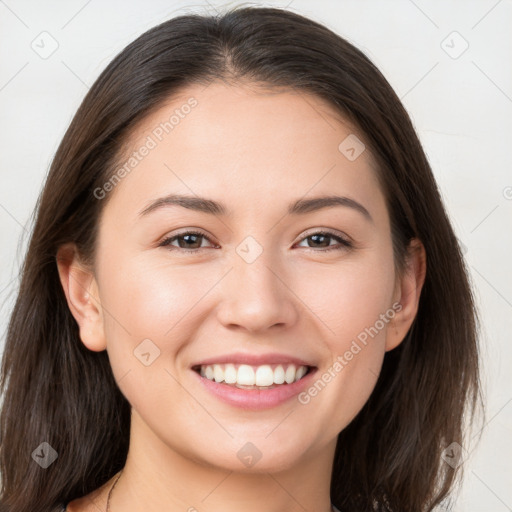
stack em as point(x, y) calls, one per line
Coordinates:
point(257, 456)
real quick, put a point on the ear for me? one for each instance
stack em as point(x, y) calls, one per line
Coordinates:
point(81, 292)
point(407, 294)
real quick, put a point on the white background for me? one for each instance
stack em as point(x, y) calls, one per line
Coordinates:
point(461, 108)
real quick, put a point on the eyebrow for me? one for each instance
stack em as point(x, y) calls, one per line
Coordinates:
point(299, 207)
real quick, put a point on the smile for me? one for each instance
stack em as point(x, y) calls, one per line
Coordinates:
point(254, 382)
point(244, 376)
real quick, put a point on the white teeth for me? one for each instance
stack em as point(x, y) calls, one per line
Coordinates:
point(263, 376)
point(279, 375)
point(289, 376)
point(218, 373)
point(301, 371)
point(230, 374)
point(208, 372)
point(245, 375)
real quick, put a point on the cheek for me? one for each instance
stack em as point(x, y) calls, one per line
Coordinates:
point(355, 309)
point(350, 297)
point(149, 308)
point(152, 298)
point(153, 310)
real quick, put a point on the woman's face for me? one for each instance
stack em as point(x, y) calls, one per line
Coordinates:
point(260, 287)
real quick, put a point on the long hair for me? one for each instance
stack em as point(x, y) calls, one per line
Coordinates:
point(389, 458)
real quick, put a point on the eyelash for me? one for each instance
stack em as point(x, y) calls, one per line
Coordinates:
point(343, 243)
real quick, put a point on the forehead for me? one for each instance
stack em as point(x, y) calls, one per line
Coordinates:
point(242, 142)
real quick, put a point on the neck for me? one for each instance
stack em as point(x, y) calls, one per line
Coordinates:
point(158, 477)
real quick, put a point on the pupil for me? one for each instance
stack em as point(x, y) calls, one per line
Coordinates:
point(187, 239)
point(315, 237)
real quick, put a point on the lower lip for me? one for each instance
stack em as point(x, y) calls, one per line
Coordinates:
point(256, 399)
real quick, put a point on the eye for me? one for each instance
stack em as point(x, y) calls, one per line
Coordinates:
point(192, 241)
point(322, 239)
point(186, 240)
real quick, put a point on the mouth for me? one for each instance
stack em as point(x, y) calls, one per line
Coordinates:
point(252, 377)
point(254, 381)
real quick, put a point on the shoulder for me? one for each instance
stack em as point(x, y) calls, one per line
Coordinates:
point(81, 505)
point(92, 502)
point(85, 504)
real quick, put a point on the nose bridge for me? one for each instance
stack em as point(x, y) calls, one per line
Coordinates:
point(255, 296)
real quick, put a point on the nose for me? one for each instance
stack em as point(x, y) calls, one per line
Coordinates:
point(256, 296)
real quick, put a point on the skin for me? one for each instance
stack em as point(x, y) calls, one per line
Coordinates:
point(256, 152)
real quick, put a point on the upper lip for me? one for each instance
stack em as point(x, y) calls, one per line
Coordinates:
point(253, 359)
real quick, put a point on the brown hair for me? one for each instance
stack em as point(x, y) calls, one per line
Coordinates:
point(389, 457)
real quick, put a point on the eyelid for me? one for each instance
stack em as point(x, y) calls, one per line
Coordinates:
point(344, 241)
point(325, 231)
point(165, 241)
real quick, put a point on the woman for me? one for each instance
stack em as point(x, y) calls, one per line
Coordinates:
point(242, 290)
